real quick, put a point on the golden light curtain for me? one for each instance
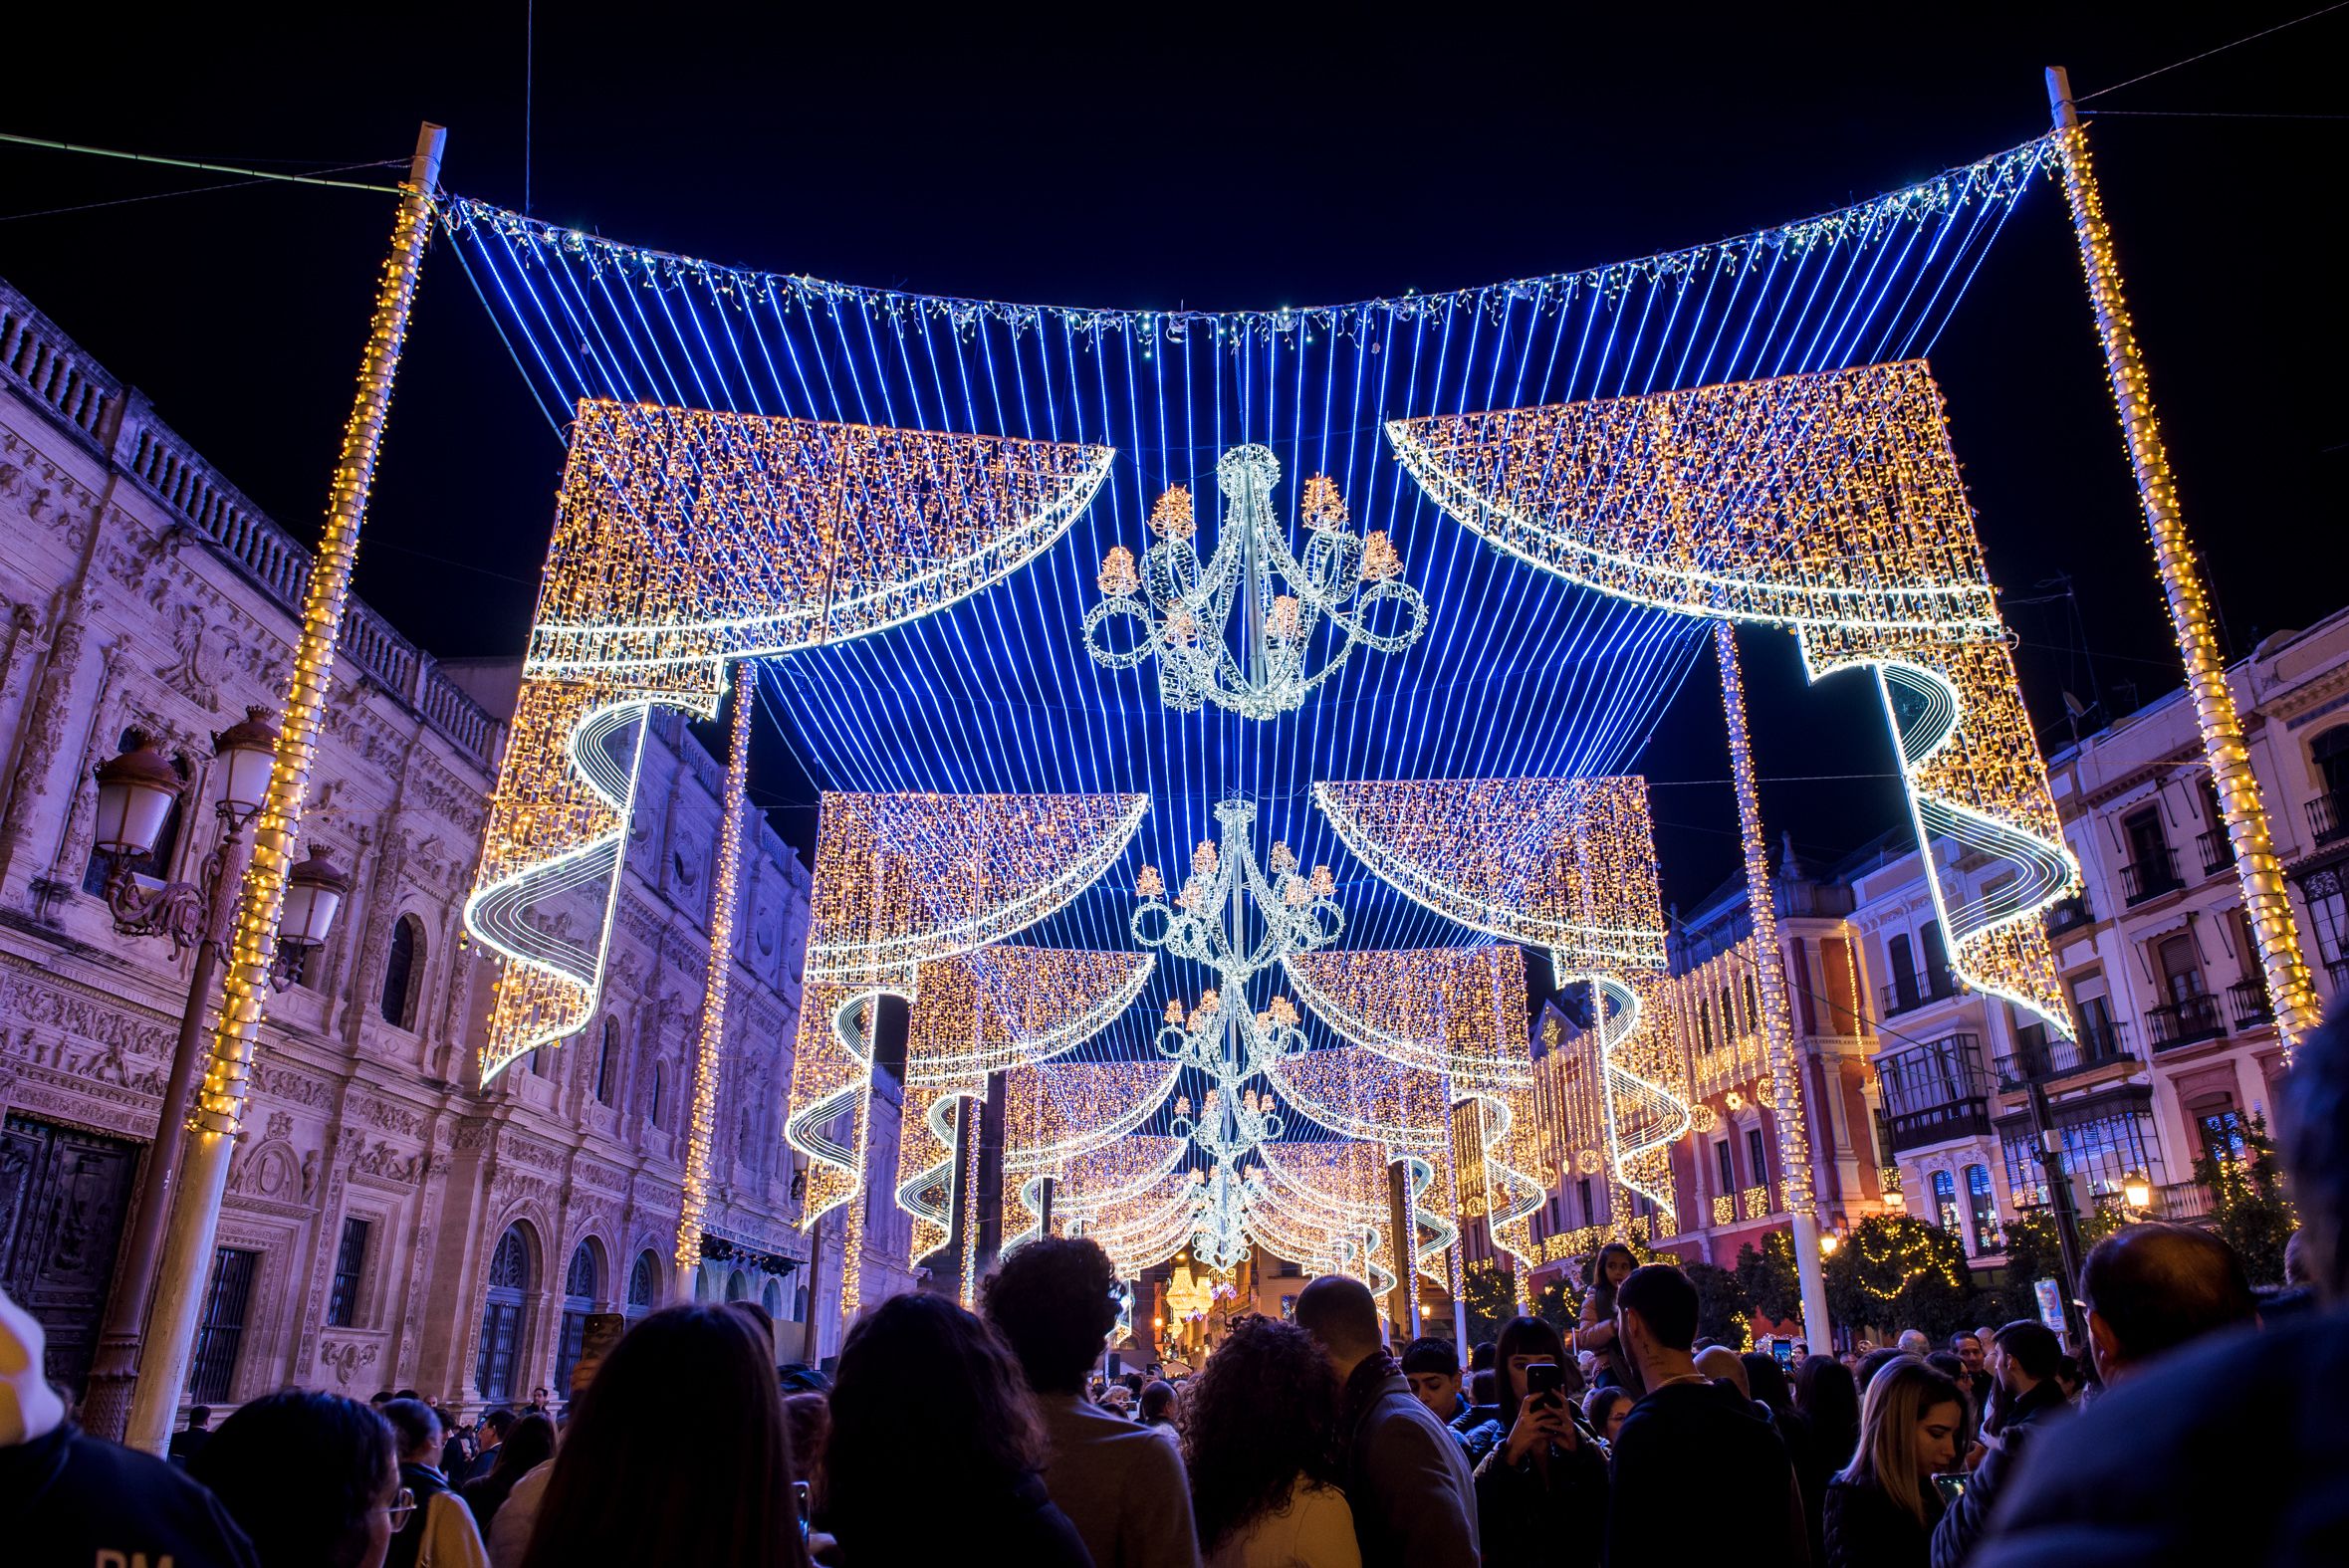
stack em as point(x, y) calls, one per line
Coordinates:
point(685, 538)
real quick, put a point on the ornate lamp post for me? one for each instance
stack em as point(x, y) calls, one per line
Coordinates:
point(136, 794)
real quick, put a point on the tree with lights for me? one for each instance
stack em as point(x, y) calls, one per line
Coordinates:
point(1896, 1272)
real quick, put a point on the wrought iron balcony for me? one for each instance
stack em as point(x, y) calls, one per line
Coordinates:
point(2067, 913)
point(2184, 1021)
point(2328, 816)
point(2039, 1059)
point(1934, 1092)
point(2150, 877)
point(2248, 1000)
point(1902, 997)
point(2217, 851)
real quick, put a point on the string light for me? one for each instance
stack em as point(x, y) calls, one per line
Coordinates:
point(1342, 582)
point(2292, 988)
point(1829, 504)
point(709, 1061)
point(684, 537)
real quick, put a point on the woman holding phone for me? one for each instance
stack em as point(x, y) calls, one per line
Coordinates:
point(1542, 1493)
point(1881, 1510)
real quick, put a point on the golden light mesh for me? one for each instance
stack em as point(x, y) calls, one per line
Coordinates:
point(905, 882)
point(1564, 864)
point(685, 538)
point(1457, 1011)
point(1364, 1095)
point(1061, 1116)
point(1829, 504)
point(982, 1013)
point(1560, 863)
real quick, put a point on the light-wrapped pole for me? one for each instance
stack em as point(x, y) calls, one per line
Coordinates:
point(220, 1096)
point(2291, 990)
point(709, 1061)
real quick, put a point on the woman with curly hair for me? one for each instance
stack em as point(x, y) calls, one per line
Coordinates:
point(933, 1426)
point(1259, 1425)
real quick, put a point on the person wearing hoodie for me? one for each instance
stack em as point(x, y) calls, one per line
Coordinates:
point(69, 1498)
point(1685, 1425)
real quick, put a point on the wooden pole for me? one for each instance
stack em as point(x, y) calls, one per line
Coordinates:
point(2291, 990)
point(709, 1063)
point(1778, 1022)
point(186, 1264)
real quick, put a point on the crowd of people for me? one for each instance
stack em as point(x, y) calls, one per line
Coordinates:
point(2198, 1421)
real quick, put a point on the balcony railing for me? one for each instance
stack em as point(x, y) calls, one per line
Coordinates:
point(2181, 1202)
point(2064, 913)
point(2218, 850)
point(2184, 1021)
point(1934, 1092)
point(1725, 1208)
point(2328, 816)
point(2038, 1061)
point(2248, 1000)
point(2150, 877)
point(1754, 1202)
point(1899, 998)
point(2337, 970)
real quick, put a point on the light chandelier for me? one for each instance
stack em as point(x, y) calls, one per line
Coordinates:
point(1183, 608)
point(1235, 919)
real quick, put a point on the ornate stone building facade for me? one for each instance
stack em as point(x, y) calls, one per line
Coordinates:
point(389, 1222)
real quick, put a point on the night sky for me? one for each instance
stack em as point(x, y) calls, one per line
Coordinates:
point(1237, 161)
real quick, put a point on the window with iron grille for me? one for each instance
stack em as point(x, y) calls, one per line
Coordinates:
point(349, 1258)
point(220, 1332)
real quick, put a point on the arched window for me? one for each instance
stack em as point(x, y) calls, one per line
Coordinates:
point(644, 1283)
point(1945, 1201)
point(738, 1286)
point(608, 1065)
point(580, 1284)
point(772, 1299)
point(799, 1305)
point(403, 971)
point(501, 1315)
point(1984, 1205)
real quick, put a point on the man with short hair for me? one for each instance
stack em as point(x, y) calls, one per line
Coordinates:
point(1970, 1349)
point(2230, 1450)
point(1689, 1425)
point(1055, 1302)
point(1912, 1342)
point(488, 1434)
point(2022, 1357)
point(1431, 1367)
point(2149, 1289)
point(186, 1444)
point(441, 1530)
point(1408, 1483)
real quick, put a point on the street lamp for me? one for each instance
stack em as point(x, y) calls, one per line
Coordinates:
point(2136, 1190)
point(1828, 1242)
point(136, 794)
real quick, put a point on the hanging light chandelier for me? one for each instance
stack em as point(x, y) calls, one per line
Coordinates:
point(1183, 609)
point(1235, 919)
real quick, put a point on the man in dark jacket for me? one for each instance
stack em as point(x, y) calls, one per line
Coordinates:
point(415, 1429)
point(1408, 1483)
point(69, 1498)
point(2022, 1358)
point(1688, 1426)
point(2226, 1451)
point(1478, 1426)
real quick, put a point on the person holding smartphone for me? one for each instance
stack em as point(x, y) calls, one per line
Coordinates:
point(1541, 1493)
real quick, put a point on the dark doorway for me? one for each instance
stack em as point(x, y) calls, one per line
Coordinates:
point(63, 1194)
